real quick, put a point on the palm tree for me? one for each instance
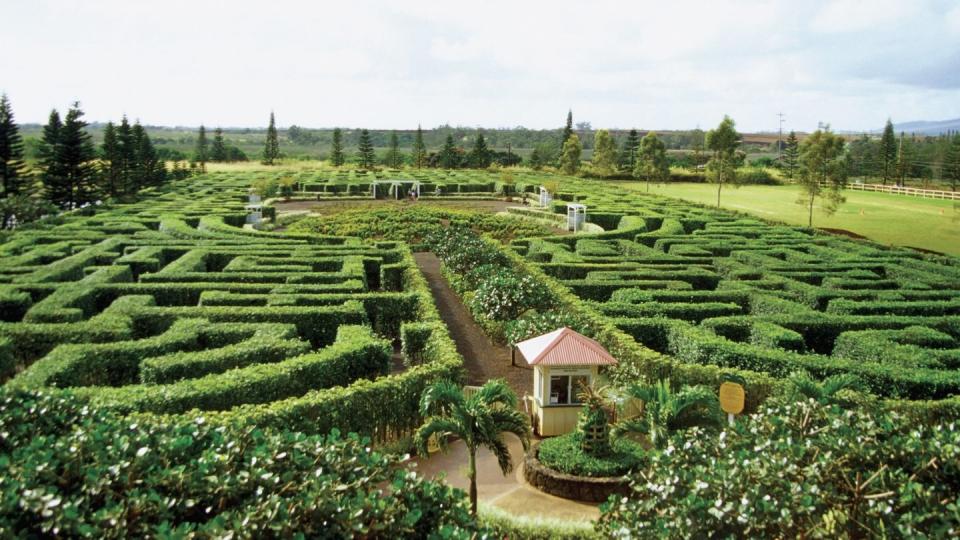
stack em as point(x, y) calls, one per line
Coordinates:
point(803, 386)
point(479, 420)
point(666, 410)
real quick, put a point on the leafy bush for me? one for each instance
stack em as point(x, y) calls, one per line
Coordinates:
point(504, 295)
point(564, 454)
point(798, 470)
point(74, 471)
point(535, 323)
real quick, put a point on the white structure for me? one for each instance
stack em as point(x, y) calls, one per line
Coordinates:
point(576, 216)
point(545, 198)
point(563, 362)
point(394, 187)
point(254, 210)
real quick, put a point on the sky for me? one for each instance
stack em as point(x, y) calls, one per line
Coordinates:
point(671, 64)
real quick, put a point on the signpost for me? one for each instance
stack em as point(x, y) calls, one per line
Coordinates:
point(732, 396)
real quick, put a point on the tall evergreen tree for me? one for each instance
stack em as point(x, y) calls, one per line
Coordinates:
point(567, 129)
point(366, 156)
point(570, 157)
point(202, 154)
point(394, 159)
point(604, 153)
point(218, 152)
point(480, 155)
point(111, 169)
point(70, 177)
point(419, 149)
point(13, 177)
point(149, 170)
point(449, 158)
point(791, 154)
point(887, 152)
point(337, 157)
point(723, 142)
point(628, 152)
point(903, 165)
point(49, 138)
point(127, 150)
point(271, 148)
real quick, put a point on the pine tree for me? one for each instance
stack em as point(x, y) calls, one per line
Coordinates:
point(567, 129)
point(201, 154)
point(218, 152)
point(903, 163)
point(149, 170)
point(604, 153)
point(336, 152)
point(126, 151)
point(49, 138)
point(628, 152)
point(791, 154)
point(887, 152)
point(366, 156)
point(535, 161)
point(570, 157)
point(480, 155)
point(111, 172)
point(394, 158)
point(419, 149)
point(449, 158)
point(13, 177)
point(71, 175)
point(271, 148)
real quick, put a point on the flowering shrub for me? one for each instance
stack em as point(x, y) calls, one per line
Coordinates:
point(461, 250)
point(504, 295)
point(798, 470)
point(536, 323)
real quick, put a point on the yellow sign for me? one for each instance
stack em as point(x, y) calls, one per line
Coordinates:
point(731, 397)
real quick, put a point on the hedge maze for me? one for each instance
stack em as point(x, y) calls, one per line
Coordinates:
point(169, 305)
point(715, 288)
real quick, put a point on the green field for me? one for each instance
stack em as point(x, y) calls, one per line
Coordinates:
point(888, 219)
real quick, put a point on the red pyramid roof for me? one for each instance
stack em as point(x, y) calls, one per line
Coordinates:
point(564, 347)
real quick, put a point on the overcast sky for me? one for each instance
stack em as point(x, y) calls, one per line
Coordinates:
point(667, 65)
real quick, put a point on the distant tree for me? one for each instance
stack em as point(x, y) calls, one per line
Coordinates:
point(126, 157)
point(48, 140)
point(271, 147)
point(201, 153)
point(449, 158)
point(535, 161)
point(570, 157)
point(13, 177)
point(903, 165)
point(148, 169)
point(567, 129)
point(111, 168)
point(791, 155)
point(479, 157)
point(628, 152)
point(218, 151)
point(366, 157)
point(337, 157)
point(887, 152)
point(419, 149)
point(951, 168)
point(823, 172)
point(544, 154)
point(723, 142)
point(70, 177)
point(604, 153)
point(651, 162)
point(697, 139)
point(394, 158)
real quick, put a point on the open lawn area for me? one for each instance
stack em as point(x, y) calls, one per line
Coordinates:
point(888, 219)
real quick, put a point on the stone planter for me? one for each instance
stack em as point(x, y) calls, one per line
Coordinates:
point(568, 486)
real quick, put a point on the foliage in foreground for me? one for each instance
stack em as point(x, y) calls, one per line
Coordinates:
point(799, 470)
point(564, 454)
point(72, 471)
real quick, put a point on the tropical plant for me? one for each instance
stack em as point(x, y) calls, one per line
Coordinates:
point(802, 386)
point(666, 410)
point(479, 421)
point(593, 423)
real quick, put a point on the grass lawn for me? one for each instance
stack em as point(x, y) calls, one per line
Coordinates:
point(888, 219)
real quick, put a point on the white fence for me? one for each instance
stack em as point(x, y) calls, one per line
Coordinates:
point(915, 192)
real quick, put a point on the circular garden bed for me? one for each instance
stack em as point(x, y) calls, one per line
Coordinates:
point(557, 466)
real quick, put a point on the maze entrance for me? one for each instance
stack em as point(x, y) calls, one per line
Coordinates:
point(394, 189)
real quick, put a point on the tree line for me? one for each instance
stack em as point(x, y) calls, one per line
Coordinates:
point(70, 171)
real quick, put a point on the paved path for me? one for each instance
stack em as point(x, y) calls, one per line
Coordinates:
point(484, 361)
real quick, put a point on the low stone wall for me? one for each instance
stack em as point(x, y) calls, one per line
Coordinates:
point(568, 486)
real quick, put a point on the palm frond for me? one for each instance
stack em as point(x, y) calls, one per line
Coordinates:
point(496, 391)
point(845, 381)
point(440, 398)
point(441, 427)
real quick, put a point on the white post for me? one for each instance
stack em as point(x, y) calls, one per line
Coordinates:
point(730, 419)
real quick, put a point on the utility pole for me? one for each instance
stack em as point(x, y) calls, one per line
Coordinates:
point(780, 138)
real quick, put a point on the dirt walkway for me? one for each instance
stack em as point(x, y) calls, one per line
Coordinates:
point(483, 359)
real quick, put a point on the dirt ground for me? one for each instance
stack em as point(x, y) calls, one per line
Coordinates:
point(483, 359)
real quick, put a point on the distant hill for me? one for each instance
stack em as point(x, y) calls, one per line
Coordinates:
point(923, 127)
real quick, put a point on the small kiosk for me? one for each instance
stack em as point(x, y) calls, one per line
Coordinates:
point(576, 216)
point(545, 198)
point(254, 210)
point(562, 361)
